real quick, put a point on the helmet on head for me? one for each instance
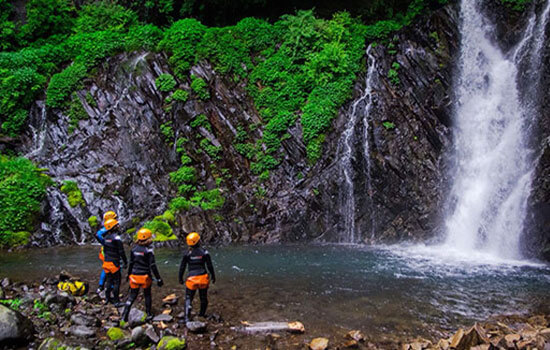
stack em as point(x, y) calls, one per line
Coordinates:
point(144, 234)
point(192, 239)
point(109, 224)
point(109, 215)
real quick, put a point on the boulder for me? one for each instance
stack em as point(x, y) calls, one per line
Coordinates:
point(136, 317)
point(196, 326)
point(163, 318)
point(319, 344)
point(84, 320)
point(82, 331)
point(171, 343)
point(14, 327)
point(144, 335)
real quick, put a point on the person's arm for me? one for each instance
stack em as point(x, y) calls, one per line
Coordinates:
point(131, 265)
point(183, 266)
point(120, 248)
point(153, 264)
point(210, 267)
point(99, 235)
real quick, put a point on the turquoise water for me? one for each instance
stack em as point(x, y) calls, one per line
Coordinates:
point(399, 290)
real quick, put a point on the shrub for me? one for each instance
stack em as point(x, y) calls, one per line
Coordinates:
point(161, 229)
point(180, 41)
point(93, 221)
point(146, 37)
point(199, 86)
point(185, 174)
point(201, 120)
point(22, 188)
point(63, 84)
point(104, 15)
point(208, 200)
point(18, 89)
point(165, 82)
point(48, 17)
point(180, 95)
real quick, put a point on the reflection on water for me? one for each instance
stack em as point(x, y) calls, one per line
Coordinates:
point(402, 290)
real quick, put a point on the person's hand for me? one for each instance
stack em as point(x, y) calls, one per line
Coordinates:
point(213, 280)
point(181, 281)
point(160, 283)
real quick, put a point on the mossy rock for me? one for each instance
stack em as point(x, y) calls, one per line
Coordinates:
point(50, 344)
point(171, 343)
point(115, 333)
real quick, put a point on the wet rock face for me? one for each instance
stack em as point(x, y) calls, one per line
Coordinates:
point(121, 159)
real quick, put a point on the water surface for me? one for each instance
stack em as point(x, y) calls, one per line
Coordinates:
point(383, 290)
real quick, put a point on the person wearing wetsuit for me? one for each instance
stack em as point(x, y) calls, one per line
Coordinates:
point(142, 264)
point(198, 260)
point(113, 251)
point(99, 235)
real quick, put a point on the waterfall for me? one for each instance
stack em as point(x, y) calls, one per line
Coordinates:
point(493, 161)
point(347, 149)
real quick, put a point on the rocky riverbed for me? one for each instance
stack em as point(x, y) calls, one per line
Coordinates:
point(46, 318)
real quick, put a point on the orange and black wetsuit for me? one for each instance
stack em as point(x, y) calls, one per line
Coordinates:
point(113, 252)
point(198, 260)
point(142, 266)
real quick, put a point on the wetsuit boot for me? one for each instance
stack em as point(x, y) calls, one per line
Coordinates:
point(148, 303)
point(189, 294)
point(204, 301)
point(128, 306)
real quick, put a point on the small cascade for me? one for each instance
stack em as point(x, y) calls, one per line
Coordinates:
point(493, 171)
point(359, 112)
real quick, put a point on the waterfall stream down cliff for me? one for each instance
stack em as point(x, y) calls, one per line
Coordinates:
point(493, 160)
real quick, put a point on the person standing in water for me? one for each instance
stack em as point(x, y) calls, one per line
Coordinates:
point(99, 235)
point(113, 251)
point(198, 260)
point(142, 266)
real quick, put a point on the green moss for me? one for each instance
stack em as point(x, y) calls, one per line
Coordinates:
point(516, 5)
point(76, 112)
point(201, 120)
point(171, 343)
point(93, 221)
point(131, 230)
point(168, 132)
point(180, 95)
point(74, 194)
point(388, 125)
point(393, 74)
point(20, 238)
point(115, 333)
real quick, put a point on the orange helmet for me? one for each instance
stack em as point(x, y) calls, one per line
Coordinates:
point(109, 224)
point(109, 215)
point(192, 239)
point(144, 234)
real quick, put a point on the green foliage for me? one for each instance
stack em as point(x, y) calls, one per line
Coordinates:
point(104, 15)
point(63, 84)
point(208, 200)
point(14, 304)
point(161, 229)
point(165, 82)
point(393, 74)
point(201, 120)
point(22, 188)
point(212, 151)
point(167, 130)
point(388, 125)
point(180, 42)
point(76, 112)
point(8, 32)
point(180, 95)
point(200, 87)
point(146, 37)
point(48, 17)
point(74, 194)
point(184, 175)
point(93, 221)
point(516, 5)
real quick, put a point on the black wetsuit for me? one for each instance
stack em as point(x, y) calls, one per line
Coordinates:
point(198, 260)
point(142, 262)
point(113, 251)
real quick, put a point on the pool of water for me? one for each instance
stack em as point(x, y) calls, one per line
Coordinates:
point(379, 290)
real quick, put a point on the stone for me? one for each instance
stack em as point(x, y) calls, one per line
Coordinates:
point(443, 344)
point(115, 333)
point(181, 315)
point(319, 344)
point(5, 282)
point(1, 293)
point(196, 326)
point(351, 344)
point(150, 332)
point(457, 337)
point(60, 299)
point(82, 331)
point(167, 312)
point(511, 340)
point(50, 344)
point(139, 337)
point(355, 335)
point(14, 327)
point(171, 343)
point(84, 320)
point(545, 333)
point(136, 317)
point(163, 318)
point(171, 299)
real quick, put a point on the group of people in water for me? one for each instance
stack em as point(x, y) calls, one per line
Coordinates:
point(142, 267)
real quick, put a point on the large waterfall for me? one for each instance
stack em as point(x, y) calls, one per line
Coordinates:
point(493, 159)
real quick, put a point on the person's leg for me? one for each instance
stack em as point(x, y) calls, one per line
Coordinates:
point(116, 288)
point(189, 295)
point(128, 306)
point(101, 281)
point(109, 288)
point(203, 294)
point(148, 302)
